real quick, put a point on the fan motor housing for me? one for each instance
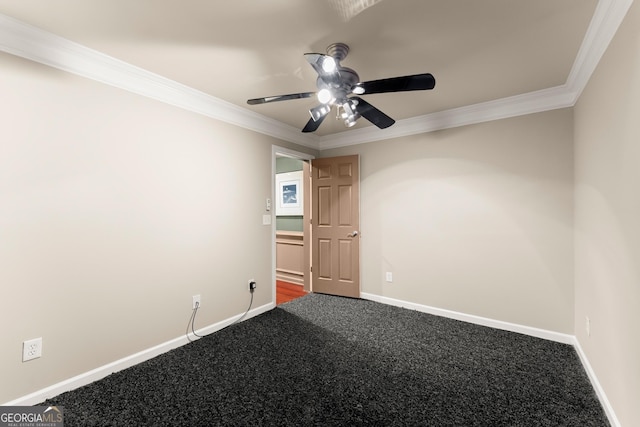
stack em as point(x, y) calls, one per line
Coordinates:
point(348, 77)
point(342, 85)
point(338, 50)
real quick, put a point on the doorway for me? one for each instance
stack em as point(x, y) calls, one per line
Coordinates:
point(332, 242)
point(291, 211)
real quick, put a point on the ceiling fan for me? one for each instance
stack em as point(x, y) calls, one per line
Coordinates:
point(336, 84)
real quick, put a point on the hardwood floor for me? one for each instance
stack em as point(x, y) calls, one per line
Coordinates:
point(286, 292)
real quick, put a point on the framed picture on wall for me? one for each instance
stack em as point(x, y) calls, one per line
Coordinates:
point(289, 194)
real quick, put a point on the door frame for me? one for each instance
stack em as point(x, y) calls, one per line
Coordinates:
point(278, 151)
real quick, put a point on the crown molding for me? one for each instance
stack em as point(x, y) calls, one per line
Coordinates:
point(603, 26)
point(26, 41)
point(533, 102)
point(29, 42)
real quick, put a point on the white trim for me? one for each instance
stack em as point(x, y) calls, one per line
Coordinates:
point(604, 401)
point(126, 362)
point(286, 152)
point(518, 105)
point(132, 360)
point(26, 41)
point(29, 42)
point(604, 24)
point(512, 327)
point(477, 320)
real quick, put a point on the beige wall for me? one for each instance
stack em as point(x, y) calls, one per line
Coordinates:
point(476, 219)
point(607, 246)
point(114, 210)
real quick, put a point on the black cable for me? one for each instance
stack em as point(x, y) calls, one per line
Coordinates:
point(192, 320)
point(245, 313)
point(195, 311)
point(189, 323)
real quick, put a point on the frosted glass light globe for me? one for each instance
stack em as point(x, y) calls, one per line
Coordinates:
point(324, 96)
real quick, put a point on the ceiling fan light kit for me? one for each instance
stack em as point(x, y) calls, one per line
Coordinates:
point(335, 84)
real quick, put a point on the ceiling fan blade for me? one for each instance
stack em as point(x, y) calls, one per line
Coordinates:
point(372, 114)
point(315, 60)
point(312, 125)
point(277, 98)
point(396, 84)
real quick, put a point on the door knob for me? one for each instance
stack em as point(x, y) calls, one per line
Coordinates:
point(352, 234)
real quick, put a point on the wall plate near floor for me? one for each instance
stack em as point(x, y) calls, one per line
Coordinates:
point(587, 325)
point(31, 349)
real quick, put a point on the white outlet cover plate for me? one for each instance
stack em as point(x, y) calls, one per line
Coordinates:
point(31, 349)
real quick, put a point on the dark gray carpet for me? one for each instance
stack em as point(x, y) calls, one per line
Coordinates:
point(330, 361)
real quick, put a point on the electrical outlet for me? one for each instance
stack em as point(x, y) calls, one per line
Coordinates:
point(389, 276)
point(196, 302)
point(252, 285)
point(587, 325)
point(31, 349)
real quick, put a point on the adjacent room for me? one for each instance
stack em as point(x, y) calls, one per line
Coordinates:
point(441, 185)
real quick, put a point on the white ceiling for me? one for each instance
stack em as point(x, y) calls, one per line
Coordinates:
point(478, 50)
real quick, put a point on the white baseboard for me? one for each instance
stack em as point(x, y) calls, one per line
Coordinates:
point(606, 405)
point(134, 359)
point(126, 362)
point(506, 326)
point(484, 321)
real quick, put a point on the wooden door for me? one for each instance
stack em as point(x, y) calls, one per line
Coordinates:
point(335, 225)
